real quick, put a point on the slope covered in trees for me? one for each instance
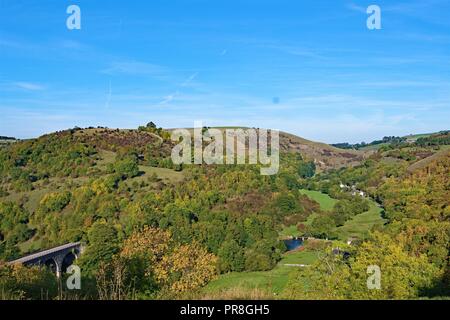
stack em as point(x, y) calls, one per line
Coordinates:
point(159, 230)
point(411, 250)
point(94, 191)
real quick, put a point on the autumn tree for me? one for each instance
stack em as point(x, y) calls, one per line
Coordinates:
point(156, 262)
point(188, 267)
point(20, 282)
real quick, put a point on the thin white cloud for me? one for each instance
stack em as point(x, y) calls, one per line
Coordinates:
point(135, 68)
point(295, 50)
point(186, 83)
point(73, 45)
point(169, 98)
point(355, 7)
point(28, 86)
point(189, 79)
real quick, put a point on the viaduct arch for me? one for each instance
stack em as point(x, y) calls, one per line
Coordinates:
point(57, 259)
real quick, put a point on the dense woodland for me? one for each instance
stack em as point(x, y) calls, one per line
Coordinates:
point(156, 230)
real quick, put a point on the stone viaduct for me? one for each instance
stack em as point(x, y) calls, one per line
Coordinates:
point(57, 259)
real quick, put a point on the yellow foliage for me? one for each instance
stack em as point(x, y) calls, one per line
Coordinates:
point(188, 267)
point(403, 276)
point(99, 187)
point(151, 244)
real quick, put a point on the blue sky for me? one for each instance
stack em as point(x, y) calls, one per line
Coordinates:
point(311, 68)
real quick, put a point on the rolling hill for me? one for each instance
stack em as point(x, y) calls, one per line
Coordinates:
point(324, 156)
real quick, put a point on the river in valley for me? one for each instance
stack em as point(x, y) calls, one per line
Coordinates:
point(292, 244)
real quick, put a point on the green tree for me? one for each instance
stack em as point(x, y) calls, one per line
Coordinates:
point(20, 282)
point(322, 226)
point(151, 125)
point(127, 168)
point(306, 169)
point(403, 276)
point(231, 257)
point(103, 244)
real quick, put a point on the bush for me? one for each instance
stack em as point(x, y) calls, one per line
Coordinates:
point(255, 261)
point(55, 202)
point(322, 226)
point(306, 169)
point(19, 282)
point(127, 168)
point(231, 257)
point(103, 244)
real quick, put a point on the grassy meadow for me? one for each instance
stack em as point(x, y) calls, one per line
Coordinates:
point(358, 226)
point(271, 282)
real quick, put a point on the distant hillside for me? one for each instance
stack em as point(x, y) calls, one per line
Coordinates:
point(7, 138)
point(392, 140)
point(325, 156)
point(426, 161)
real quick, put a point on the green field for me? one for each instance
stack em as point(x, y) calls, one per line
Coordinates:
point(418, 136)
point(107, 157)
point(413, 137)
point(299, 257)
point(275, 280)
point(360, 225)
point(326, 202)
point(166, 175)
point(272, 282)
point(35, 196)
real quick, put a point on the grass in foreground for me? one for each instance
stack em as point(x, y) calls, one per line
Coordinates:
point(270, 282)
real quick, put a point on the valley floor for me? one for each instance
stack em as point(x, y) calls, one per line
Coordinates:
point(357, 227)
point(270, 284)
